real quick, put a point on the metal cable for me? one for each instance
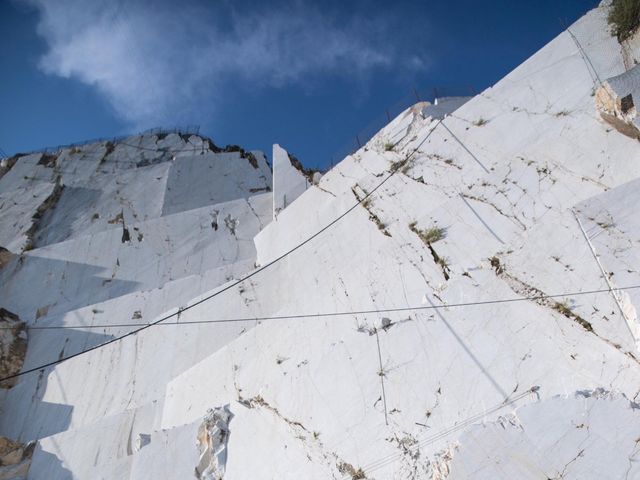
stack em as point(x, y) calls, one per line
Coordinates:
point(335, 314)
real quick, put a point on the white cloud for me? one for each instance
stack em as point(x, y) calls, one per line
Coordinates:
point(155, 62)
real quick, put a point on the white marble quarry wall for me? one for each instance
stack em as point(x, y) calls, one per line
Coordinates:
point(288, 182)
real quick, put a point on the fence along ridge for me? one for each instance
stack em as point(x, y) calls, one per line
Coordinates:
point(359, 139)
point(387, 114)
point(187, 130)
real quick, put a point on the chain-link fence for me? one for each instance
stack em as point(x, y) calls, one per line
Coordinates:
point(598, 47)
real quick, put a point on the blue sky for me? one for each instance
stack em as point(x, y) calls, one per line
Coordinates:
point(307, 75)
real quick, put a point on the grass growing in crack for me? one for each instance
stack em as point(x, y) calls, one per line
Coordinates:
point(366, 202)
point(407, 168)
point(624, 18)
point(605, 225)
point(359, 475)
point(348, 469)
point(444, 263)
point(480, 122)
point(430, 235)
point(564, 309)
point(388, 147)
point(395, 166)
point(433, 234)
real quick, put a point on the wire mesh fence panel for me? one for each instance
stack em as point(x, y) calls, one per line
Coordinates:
point(599, 49)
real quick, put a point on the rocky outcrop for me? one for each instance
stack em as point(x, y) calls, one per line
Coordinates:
point(49, 202)
point(441, 464)
point(213, 436)
point(615, 101)
point(5, 256)
point(13, 346)
point(15, 459)
point(6, 164)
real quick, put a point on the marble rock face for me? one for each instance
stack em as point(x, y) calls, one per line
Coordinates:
point(456, 299)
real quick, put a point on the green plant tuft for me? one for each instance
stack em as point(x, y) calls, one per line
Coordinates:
point(430, 235)
point(624, 18)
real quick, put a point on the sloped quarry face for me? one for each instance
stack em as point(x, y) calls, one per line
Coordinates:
point(142, 225)
point(13, 346)
point(566, 436)
point(324, 397)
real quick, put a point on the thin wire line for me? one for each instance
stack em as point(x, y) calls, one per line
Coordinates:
point(336, 314)
point(585, 58)
point(466, 149)
point(605, 276)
